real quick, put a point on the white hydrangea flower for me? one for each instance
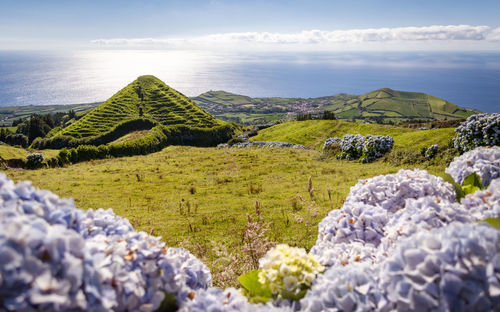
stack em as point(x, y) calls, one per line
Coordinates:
point(285, 267)
point(485, 161)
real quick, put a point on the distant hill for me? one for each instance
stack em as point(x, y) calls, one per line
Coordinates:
point(380, 106)
point(145, 98)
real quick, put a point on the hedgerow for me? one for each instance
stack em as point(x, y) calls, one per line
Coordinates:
point(157, 138)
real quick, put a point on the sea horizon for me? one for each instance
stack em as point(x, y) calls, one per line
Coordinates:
point(468, 79)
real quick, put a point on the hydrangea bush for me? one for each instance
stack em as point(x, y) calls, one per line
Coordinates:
point(366, 148)
point(478, 130)
point(34, 160)
point(431, 151)
point(56, 257)
point(331, 141)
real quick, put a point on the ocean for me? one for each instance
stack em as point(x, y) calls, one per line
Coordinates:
point(468, 79)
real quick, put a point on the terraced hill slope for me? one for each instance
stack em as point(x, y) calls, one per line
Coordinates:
point(145, 98)
point(379, 106)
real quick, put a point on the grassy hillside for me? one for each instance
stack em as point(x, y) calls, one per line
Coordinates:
point(381, 106)
point(313, 133)
point(146, 97)
point(195, 196)
point(10, 152)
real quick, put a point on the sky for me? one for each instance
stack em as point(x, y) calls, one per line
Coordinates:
point(242, 25)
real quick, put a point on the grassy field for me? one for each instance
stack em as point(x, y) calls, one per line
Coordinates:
point(313, 133)
point(200, 197)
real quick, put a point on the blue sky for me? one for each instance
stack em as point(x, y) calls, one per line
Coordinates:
point(300, 24)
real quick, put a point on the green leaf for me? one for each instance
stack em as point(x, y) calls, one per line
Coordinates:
point(493, 222)
point(472, 183)
point(292, 295)
point(458, 189)
point(258, 292)
point(474, 180)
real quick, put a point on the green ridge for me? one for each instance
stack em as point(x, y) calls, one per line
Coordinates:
point(379, 106)
point(146, 97)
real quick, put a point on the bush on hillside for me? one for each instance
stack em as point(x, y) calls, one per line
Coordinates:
point(365, 148)
point(34, 161)
point(17, 139)
point(478, 130)
point(431, 151)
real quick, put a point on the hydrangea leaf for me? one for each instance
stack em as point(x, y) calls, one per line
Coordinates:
point(258, 292)
point(495, 222)
point(294, 296)
point(458, 189)
point(169, 304)
point(472, 183)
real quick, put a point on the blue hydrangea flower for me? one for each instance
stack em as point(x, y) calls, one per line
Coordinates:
point(478, 130)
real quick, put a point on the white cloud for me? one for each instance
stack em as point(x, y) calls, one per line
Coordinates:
point(452, 33)
point(494, 35)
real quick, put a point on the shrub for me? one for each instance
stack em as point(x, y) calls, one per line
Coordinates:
point(478, 130)
point(365, 148)
point(34, 161)
point(431, 151)
point(17, 139)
